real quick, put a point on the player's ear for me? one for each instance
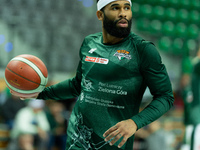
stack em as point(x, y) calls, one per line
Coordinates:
point(100, 15)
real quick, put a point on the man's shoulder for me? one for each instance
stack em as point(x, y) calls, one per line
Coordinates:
point(138, 40)
point(135, 36)
point(93, 36)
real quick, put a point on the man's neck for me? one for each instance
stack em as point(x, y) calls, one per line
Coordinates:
point(109, 39)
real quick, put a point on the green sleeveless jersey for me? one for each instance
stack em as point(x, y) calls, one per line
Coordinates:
point(110, 83)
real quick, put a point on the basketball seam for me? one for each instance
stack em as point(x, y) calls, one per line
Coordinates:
point(23, 77)
point(39, 89)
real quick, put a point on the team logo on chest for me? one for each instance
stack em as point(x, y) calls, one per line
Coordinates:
point(121, 54)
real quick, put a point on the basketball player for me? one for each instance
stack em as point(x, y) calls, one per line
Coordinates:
point(114, 70)
point(193, 129)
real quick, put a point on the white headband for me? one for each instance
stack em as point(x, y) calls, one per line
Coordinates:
point(102, 3)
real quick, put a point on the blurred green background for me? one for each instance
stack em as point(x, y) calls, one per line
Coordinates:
point(54, 30)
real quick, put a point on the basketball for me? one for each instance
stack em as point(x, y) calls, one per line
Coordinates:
point(26, 75)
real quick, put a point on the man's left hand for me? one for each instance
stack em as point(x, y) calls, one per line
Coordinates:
point(124, 129)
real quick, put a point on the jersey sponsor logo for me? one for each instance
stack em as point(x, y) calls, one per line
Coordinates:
point(97, 60)
point(92, 50)
point(121, 54)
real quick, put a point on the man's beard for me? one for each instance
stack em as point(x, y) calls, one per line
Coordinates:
point(111, 27)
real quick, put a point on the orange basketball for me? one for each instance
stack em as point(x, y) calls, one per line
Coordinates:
point(26, 75)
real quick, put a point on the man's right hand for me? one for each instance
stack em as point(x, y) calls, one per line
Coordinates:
point(24, 96)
